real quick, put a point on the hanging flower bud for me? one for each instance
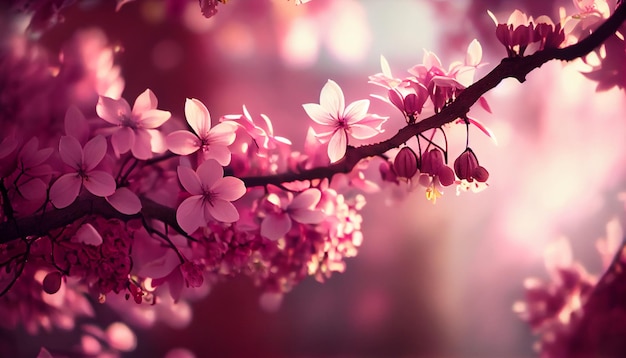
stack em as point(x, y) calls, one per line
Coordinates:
point(480, 174)
point(446, 175)
point(52, 282)
point(431, 162)
point(467, 168)
point(405, 163)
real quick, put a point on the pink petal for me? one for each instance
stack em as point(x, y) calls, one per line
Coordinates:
point(222, 134)
point(94, 151)
point(198, 117)
point(474, 53)
point(483, 103)
point(182, 142)
point(157, 141)
point(76, 125)
point(319, 114)
point(154, 118)
point(7, 146)
point(274, 227)
point(113, 110)
point(218, 152)
point(210, 172)
point(306, 200)
point(122, 140)
point(125, 201)
point(190, 180)
point(332, 100)
point(87, 234)
point(337, 145)
point(33, 189)
point(359, 131)
point(190, 214)
point(356, 111)
point(228, 188)
point(65, 190)
point(307, 216)
point(142, 148)
point(222, 210)
point(100, 183)
point(71, 152)
point(145, 102)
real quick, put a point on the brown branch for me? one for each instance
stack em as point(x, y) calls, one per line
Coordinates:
point(517, 68)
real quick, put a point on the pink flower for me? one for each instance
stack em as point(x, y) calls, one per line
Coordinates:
point(301, 209)
point(353, 120)
point(211, 196)
point(83, 162)
point(134, 129)
point(213, 142)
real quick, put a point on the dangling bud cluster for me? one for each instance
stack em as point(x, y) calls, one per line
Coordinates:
point(467, 168)
point(433, 165)
point(406, 163)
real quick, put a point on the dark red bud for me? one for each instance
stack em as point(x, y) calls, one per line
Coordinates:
point(405, 163)
point(465, 165)
point(480, 174)
point(52, 282)
point(446, 175)
point(432, 161)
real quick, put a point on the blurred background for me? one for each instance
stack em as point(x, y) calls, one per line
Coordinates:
point(430, 280)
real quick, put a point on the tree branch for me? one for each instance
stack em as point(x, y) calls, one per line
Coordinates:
point(517, 67)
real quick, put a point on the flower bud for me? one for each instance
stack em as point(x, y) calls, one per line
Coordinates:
point(405, 163)
point(52, 282)
point(431, 162)
point(446, 175)
point(465, 165)
point(480, 174)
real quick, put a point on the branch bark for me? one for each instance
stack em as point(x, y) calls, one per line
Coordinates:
point(518, 68)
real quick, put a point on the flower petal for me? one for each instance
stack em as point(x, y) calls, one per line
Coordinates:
point(274, 227)
point(198, 117)
point(94, 151)
point(113, 110)
point(356, 111)
point(318, 114)
point(222, 134)
point(190, 180)
point(182, 142)
point(71, 151)
point(228, 188)
point(125, 201)
point(306, 200)
point(218, 152)
point(100, 183)
point(209, 173)
point(142, 148)
point(75, 124)
point(154, 118)
point(190, 214)
point(337, 145)
point(122, 140)
point(222, 210)
point(145, 102)
point(65, 190)
point(332, 100)
point(305, 216)
point(87, 234)
point(359, 131)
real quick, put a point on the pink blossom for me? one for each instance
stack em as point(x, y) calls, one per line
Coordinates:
point(83, 162)
point(211, 196)
point(282, 211)
point(213, 142)
point(134, 129)
point(343, 121)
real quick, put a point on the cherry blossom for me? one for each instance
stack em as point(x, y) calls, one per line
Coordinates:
point(83, 161)
point(213, 142)
point(134, 129)
point(211, 198)
point(343, 121)
point(281, 212)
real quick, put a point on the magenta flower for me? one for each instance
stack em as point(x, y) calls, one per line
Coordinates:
point(134, 129)
point(213, 142)
point(83, 162)
point(281, 213)
point(211, 196)
point(343, 121)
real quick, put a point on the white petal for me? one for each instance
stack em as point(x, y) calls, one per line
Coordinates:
point(337, 145)
point(319, 114)
point(190, 180)
point(222, 210)
point(274, 227)
point(125, 201)
point(113, 110)
point(359, 131)
point(198, 117)
point(474, 53)
point(190, 214)
point(332, 100)
point(153, 118)
point(222, 134)
point(356, 111)
point(100, 183)
point(65, 190)
point(182, 142)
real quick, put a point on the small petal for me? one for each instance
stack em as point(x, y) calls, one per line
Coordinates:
point(337, 145)
point(222, 210)
point(100, 183)
point(306, 200)
point(145, 102)
point(218, 152)
point(87, 234)
point(356, 111)
point(122, 140)
point(359, 131)
point(154, 118)
point(474, 53)
point(94, 151)
point(142, 148)
point(318, 114)
point(274, 227)
point(71, 152)
point(222, 134)
point(190, 180)
point(113, 110)
point(229, 188)
point(198, 117)
point(125, 201)
point(209, 173)
point(190, 214)
point(332, 100)
point(65, 190)
point(307, 216)
point(182, 142)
